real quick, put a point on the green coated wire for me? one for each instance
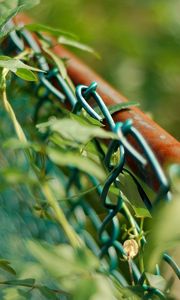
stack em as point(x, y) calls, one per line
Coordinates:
point(108, 244)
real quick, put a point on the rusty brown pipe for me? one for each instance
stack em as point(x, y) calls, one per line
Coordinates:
point(165, 146)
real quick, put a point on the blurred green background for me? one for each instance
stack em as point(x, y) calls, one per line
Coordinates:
point(139, 42)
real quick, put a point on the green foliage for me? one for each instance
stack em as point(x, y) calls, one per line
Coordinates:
point(130, 190)
point(44, 28)
point(56, 59)
point(19, 68)
point(156, 281)
point(117, 107)
point(10, 8)
point(43, 250)
point(63, 37)
point(139, 45)
point(75, 160)
point(165, 232)
point(5, 264)
point(73, 43)
point(67, 128)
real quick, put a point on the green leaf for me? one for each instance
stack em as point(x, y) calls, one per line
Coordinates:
point(45, 291)
point(133, 292)
point(44, 28)
point(63, 261)
point(5, 264)
point(76, 160)
point(4, 57)
point(85, 289)
point(73, 130)
point(96, 287)
point(29, 282)
point(57, 60)
point(121, 106)
point(15, 65)
point(5, 31)
point(14, 143)
point(85, 119)
point(174, 174)
point(141, 212)
point(164, 232)
point(27, 4)
point(10, 8)
point(15, 293)
point(75, 270)
point(115, 191)
point(156, 281)
point(14, 176)
point(26, 74)
point(133, 192)
point(73, 43)
point(117, 107)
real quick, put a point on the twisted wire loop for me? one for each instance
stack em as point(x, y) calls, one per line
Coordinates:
point(107, 243)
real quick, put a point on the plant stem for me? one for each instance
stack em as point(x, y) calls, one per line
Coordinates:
point(60, 217)
point(8, 108)
point(141, 260)
point(137, 234)
point(131, 272)
point(130, 219)
point(141, 224)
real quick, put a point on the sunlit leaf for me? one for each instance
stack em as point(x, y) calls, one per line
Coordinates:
point(15, 293)
point(14, 143)
point(86, 119)
point(135, 195)
point(26, 74)
point(141, 212)
point(156, 281)
point(74, 131)
point(14, 65)
point(96, 287)
point(78, 266)
point(76, 160)
point(117, 107)
point(45, 28)
point(56, 59)
point(5, 31)
point(85, 289)
point(73, 43)
point(63, 260)
point(10, 8)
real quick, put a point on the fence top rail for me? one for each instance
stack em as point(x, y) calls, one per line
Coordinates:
point(165, 146)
